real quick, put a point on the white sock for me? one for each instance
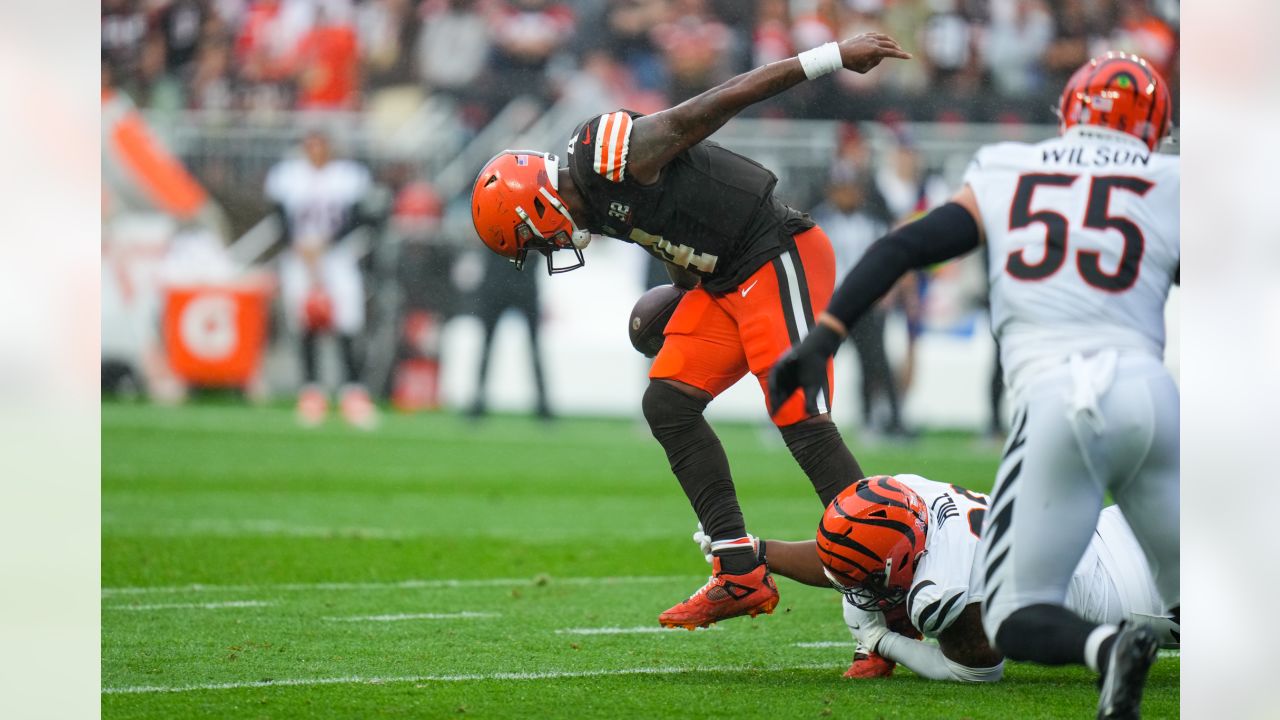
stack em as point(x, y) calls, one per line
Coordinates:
point(1094, 643)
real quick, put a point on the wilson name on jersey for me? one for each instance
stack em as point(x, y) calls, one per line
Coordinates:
point(1082, 232)
point(712, 210)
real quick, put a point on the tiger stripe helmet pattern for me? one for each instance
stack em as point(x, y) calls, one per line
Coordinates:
point(871, 539)
point(1122, 92)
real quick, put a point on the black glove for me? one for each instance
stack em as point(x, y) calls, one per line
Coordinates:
point(803, 366)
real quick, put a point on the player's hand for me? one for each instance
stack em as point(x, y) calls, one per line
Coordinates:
point(867, 626)
point(704, 542)
point(804, 366)
point(861, 53)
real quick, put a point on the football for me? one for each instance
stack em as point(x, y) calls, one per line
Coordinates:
point(649, 318)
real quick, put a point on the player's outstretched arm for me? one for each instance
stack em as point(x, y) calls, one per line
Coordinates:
point(945, 233)
point(656, 139)
point(962, 652)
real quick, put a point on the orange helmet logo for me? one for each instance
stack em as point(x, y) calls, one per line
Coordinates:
point(516, 206)
point(1122, 92)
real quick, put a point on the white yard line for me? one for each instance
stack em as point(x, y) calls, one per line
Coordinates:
point(552, 675)
point(399, 585)
point(626, 630)
point(822, 644)
point(194, 606)
point(414, 616)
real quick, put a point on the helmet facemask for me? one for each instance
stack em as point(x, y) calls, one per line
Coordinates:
point(563, 235)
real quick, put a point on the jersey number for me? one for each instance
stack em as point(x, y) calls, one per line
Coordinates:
point(1096, 216)
point(976, 515)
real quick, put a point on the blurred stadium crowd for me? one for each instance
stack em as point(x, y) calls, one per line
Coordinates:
point(270, 55)
point(421, 92)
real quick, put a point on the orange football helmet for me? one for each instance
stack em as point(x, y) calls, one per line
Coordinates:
point(871, 539)
point(317, 310)
point(1122, 92)
point(516, 206)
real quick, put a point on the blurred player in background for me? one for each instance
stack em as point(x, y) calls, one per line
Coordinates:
point(761, 269)
point(318, 200)
point(939, 593)
point(1084, 241)
point(852, 228)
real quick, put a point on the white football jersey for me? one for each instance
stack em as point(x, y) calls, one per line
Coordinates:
point(1112, 582)
point(316, 199)
point(947, 578)
point(1082, 233)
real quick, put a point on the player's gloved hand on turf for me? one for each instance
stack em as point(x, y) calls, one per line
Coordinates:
point(867, 665)
point(704, 542)
point(867, 626)
point(804, 366)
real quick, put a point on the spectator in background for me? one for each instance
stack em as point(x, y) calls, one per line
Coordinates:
point(527, 34)
point(696, 47)
point(386, 31)
point(319, 201)
point(772, 39)
point(180, 22)
point(124, 26)
point(1018, 37)
point(908, 190)
point(424, 269)
point(327, 62)
point(628, 35)
point(501, 290)
point(211, 81)
point(852, 228)
point(153, 86)
point(1142, 32)
point(453, 46)
point(1070, 47)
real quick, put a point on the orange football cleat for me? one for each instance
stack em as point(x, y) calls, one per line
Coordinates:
point(725, 596)
point(870, 665)
point(312, 406)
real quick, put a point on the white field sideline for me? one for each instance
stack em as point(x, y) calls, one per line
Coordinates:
point(194, 606)
point(1166, 653)
point(464, 615)
point(439, 583)
point(552, 675)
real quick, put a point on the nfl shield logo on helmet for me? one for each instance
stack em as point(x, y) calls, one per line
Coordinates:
point(522, 159)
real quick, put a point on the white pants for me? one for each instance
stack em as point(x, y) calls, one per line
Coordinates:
point(1113, 582)
point(339, 274)
point(1093, 425)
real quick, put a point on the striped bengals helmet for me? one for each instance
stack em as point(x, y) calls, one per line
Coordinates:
point(870, 540)
point(1122, 92)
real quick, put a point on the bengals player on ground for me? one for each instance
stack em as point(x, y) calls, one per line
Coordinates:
point(759, 272)
point(904, 550)
point(1083, 240)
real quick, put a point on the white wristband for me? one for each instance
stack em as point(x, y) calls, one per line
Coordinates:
point(821, 60)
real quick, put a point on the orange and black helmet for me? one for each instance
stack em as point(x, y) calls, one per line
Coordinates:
point(1122, 92)
point(870, 540)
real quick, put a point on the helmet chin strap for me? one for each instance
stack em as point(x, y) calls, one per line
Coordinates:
point(579, 237)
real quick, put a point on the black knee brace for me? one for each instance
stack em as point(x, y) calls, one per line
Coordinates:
point(697, 458)
point(818, 448)
point(1046, 634)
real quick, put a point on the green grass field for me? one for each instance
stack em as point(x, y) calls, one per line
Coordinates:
point(507, 569)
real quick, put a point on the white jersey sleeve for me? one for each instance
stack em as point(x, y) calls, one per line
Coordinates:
point(944, 582)
point(1082, 234)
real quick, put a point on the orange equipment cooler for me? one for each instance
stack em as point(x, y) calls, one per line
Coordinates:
point(214, 334)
